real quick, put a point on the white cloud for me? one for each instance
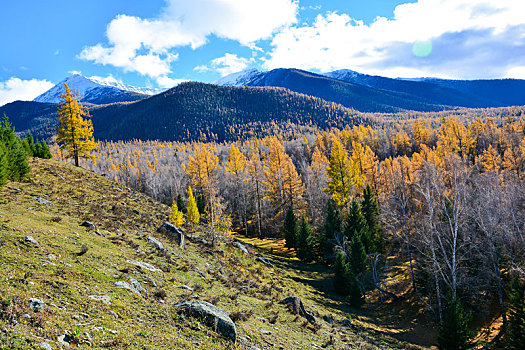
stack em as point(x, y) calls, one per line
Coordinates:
point(470, 38)
point(227, 64)
point(24, 90)
point(166, 82)
point(146, 45)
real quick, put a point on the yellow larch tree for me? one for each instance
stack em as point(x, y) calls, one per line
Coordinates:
point(193, 211)
point(75, 133)
point(340, 175)
point(176, 217)
point(490, 159)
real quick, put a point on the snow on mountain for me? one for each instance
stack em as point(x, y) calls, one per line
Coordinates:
point(242, 78)
point(343, 74)
point(96, 90)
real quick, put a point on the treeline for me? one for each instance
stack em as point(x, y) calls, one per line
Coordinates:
point(14, 152)
point(445, 196)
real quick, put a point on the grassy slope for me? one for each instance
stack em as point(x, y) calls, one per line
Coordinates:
point(232, 281)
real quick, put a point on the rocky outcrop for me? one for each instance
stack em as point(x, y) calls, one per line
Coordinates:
point(172, 232)
point(296, 306)
point(213, 316)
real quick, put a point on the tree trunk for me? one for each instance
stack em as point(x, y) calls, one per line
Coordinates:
point(76, 159)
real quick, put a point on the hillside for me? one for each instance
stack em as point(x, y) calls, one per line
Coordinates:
point(75, 272)
point(190, 110)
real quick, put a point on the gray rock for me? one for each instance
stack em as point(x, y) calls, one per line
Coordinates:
point(213, 316)
point(42, 201)
point(36, 304)
point(135, 284)
point(182, 286)
point(155, 243)
point(26, 316)
point(328, 319)
point(51, 256)
point(144, 265)
point(31, 240)
point(90, 226)
point(264, 261)
point(347, 322)
point(197, 239)
point(112, 313)
point(45, 346)
point(296, 306)
point(104, 298)
point(241, 247)
point(126, 285)
point(66, 339)
point(173, 232)
point(150, 281)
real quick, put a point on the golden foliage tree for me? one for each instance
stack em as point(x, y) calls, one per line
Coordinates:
point(176, 217)
point(193, 211)
point(341, 174)
point(75, 133)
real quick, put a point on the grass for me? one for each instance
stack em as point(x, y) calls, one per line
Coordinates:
point(54, 272)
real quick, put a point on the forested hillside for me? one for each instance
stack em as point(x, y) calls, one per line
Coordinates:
point(439, 199)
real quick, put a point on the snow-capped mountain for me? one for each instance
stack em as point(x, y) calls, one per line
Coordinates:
point(96, 91)
point(242, 78)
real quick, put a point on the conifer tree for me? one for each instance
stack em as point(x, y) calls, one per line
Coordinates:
point(29, 145)
point(3, 164)
point(180, 204)
point(44, 151)
point(305, 241)
point(75, 134)
point(332, 222)
point(370, 211)
point(176, 217)
point(339, 173)
point(516, 335)
point(341, 274)
point(193, 211)
point(15, 155)
point(290, 228)
point(356, 225)
point(357, 255)
point(454, 332)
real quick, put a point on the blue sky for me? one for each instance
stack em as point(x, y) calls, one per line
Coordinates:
point(159, 43)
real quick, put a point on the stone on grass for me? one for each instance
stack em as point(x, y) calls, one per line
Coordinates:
point(173, 232)
point(30, 239)
point(104, 298)
point(89, 225)
point(42, 201)
point(155, 243)
point(36, 304)
point(241, 247)
point(144, 265)
point(264, 261)
point(45, 346)
point(213, 316)
point(296, 306)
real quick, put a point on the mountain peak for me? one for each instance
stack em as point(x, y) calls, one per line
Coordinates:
point(241, 78)
point(96, 90)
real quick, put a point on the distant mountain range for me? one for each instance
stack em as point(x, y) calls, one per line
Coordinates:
point(368, 93)
point(96, 91)
point(250, 101)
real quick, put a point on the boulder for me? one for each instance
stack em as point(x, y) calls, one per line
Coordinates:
point(89, 225)
point(264, 261)
point(213, 316)
point(173, 232)
point(155, 243)
point(104, 298)
point(347, 322)
point(144, 265)
point(197, 239)
point(296, 306)
point(30, 239)
point(42, 201)
point(36, 304)
point(241, 247)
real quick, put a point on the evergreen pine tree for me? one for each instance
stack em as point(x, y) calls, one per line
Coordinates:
point(454, 332)
point(354, 293)
point(16, 156)
point(305, 241)
point(29, 145)
point(201, 203)
point(3, 164)
point(290, 228)
point(341, 283)
point(516, 335)
point(370, 211)
point(180, 204)
point(357, 255)
point(193, 211)
point(356, 225)
point(45, 152)
point(332, 221)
